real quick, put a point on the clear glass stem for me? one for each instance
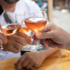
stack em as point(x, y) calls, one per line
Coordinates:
point(38, 43)
point(1, 48)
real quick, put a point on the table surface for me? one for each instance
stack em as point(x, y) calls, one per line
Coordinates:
point(54, 62)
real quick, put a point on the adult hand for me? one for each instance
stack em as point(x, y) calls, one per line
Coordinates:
point(16, 42)
point(29, 60)
point(53, 36)
point(3, 39)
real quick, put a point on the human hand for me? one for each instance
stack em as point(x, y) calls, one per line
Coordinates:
point(16, 42)
point(3, 39)
point(29, 60)
point(53, 36)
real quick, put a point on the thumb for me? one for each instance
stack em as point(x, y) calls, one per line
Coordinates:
point(44, 35)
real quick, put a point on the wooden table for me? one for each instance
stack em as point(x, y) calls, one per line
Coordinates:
point(55, 62)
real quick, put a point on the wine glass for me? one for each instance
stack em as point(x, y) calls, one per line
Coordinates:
point(36, 21)
point(27, 31)
point(8, 28)
point(24, 29)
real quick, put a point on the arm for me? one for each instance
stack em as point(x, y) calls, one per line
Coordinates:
point(45, 55)
point(52, 36)
point(30, 59)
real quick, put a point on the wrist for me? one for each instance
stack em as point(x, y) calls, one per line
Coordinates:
point(43, 56)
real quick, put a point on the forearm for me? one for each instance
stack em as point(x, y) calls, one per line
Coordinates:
point(48, 52)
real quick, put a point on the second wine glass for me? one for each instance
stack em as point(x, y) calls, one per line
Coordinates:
point(24, 29)
point(36, 21)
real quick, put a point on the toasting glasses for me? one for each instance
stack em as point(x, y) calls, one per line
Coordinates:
point(36, 21)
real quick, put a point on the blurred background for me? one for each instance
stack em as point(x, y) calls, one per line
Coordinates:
point(58, 12)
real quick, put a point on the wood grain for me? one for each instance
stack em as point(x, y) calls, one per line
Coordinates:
point(55, 62)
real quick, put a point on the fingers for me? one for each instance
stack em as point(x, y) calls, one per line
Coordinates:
point(20, 40)
point(25, 63)
point(48, 42)
point(27, 38)
point(19, 62)
point(29, 66)
point(3, 39)
point(44, 35)
point(44, 43)
point(17, 46)
point(10, 48)
point(48, 32)
point(15, 43)
point(14, 50)
point(28, 60)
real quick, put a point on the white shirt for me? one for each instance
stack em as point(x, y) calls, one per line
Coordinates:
point(21, 7)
